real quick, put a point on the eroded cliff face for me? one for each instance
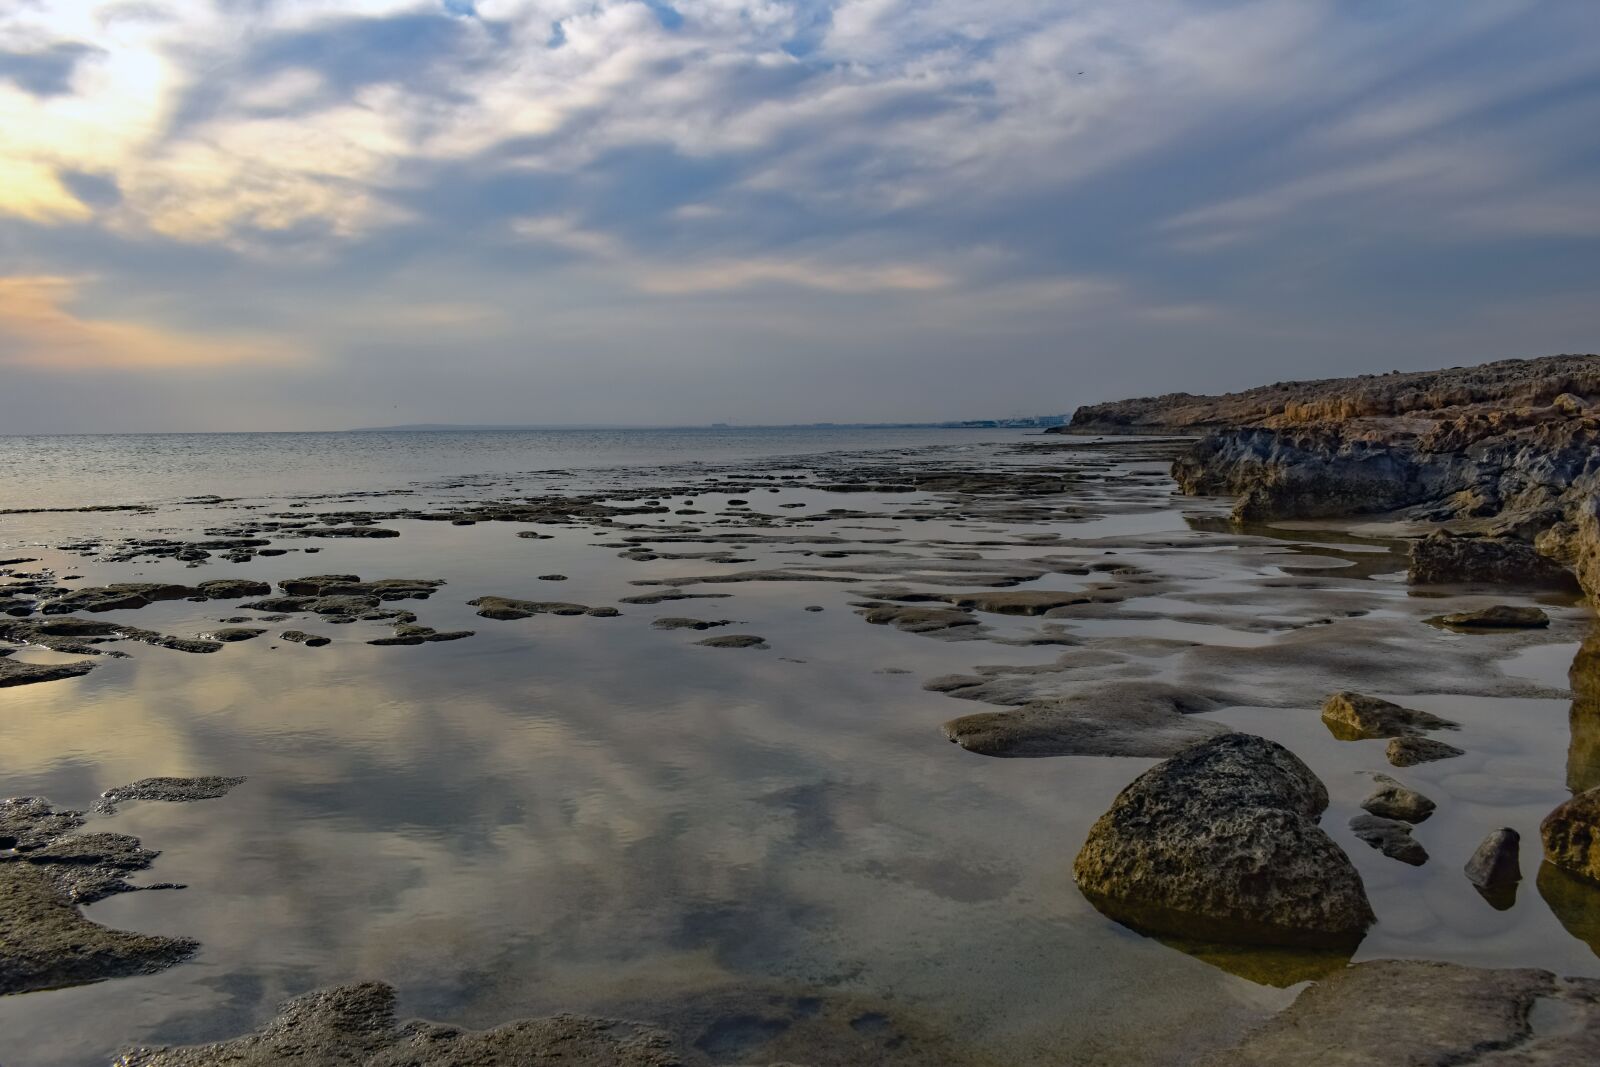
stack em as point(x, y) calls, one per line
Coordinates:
point(1508, 451)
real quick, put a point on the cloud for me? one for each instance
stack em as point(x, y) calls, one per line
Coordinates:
point(45, 71)
point(39, 331)
point(1172, 186)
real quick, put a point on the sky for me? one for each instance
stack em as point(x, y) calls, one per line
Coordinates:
point(318, 214)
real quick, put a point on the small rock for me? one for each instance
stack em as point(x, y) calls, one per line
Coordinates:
point(1410, 751)
point(300, 637)
point(1356, 716)
point(1496, 866)
point(552, 577)
point(1391, 800)
point(673, 622)
point(1391, 837)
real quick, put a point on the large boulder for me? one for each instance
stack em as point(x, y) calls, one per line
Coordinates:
point(1221, 843)
point(1571, 835)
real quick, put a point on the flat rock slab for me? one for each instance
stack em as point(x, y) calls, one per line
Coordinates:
point(1221, 843)
point(46, 871)
point(1146, 719)
point(355, 1025)
point(1499, 617)
point(13, 672)
point(735, 641)
point(678, 622)
point(171, 790)
point(1392, 1012)
point(507, 608)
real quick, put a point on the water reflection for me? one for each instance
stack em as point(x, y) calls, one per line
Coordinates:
point(1574, 902)
point(1583, 754)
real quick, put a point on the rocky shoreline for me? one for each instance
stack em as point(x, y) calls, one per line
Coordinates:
point(1224, 850)
point(1506, 455)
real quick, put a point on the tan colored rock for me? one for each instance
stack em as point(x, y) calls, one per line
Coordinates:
point(1354, 716)
point(1571, 835)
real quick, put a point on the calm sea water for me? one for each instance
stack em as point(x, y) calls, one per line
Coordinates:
point(75, 470)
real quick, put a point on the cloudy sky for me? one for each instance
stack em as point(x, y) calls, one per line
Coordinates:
point(287, 214)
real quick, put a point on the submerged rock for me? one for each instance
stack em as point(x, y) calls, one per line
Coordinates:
point(1221, 843)
point(1498, 617)
point(46, 872)
point(1356, 716)
point(676, 622)
point(507, 608)
point(355, 1025)
point(1391, 837)
point(1391, 800)
point(1422, 1014)
point(1571, 835)
point(735, 641)
point(918, 620)
point(1410, 751)
point(411, 634)
point(1125, 719)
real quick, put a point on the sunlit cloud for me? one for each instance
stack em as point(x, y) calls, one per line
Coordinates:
point(39, 330)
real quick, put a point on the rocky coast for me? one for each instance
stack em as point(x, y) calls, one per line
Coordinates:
point(1208, 753)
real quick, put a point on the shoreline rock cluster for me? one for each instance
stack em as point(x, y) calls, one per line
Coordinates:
point(1508, 452)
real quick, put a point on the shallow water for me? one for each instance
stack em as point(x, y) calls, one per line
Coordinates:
point(577, 813)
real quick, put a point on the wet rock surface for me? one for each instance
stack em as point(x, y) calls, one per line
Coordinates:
point(16, 672)
point(1389, 1012)
point(735, 641)
point(1391, 837)
point(1571, 835)
point(170, 790)
point(1391, 800)
point(1498, 617)
point(355, 1025)
point(1409, 751)
point(1356, 716)
point(1135, 719)
point(1495, 866)
point(508, 608)
point(1507, 449)
point(1221, 843)
point(1443, 558)
point(48, 869)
